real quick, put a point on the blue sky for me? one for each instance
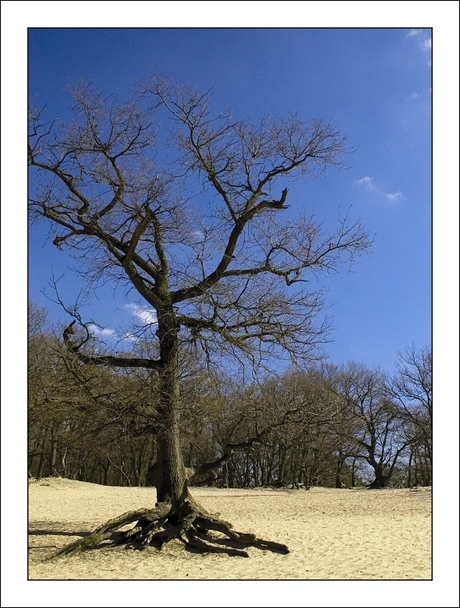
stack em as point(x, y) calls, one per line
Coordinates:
point(374, 84)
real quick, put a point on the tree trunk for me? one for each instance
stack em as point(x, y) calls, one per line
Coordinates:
point(63, 462)
point(53, 455)
point(409, 470)
point(106, 472)
point(381, 480)
point(225, 475)
point(338, 471)
point(171, 471)
point(41, 462)
point(135, 468)
point(353, 473)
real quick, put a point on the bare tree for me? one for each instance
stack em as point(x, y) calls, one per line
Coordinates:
point(186, 207)
point(377, 426)
point(412, 389)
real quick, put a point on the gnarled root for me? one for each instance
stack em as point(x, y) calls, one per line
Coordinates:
point(186, 521)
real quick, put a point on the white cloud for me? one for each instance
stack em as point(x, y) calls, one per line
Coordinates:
point(368, 182)
point(145, 315)
point(101, 332)
point(425, 44)
point(198, 234)
point(394, 197)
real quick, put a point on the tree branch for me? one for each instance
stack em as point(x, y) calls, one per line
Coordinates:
point(125, 362)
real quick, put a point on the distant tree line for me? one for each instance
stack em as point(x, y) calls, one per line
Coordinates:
point(328, 425)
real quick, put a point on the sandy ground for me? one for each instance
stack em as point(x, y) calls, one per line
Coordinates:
point(348, 534)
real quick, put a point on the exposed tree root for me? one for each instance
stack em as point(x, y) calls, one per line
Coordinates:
point(192, 525)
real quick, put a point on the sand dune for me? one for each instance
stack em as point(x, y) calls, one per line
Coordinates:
point(347, 534)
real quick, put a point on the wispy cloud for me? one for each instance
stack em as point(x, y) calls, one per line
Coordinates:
point(424, 39)
point(145, 315)
point(369, 183)
point(412, 33)
point(394, 197)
